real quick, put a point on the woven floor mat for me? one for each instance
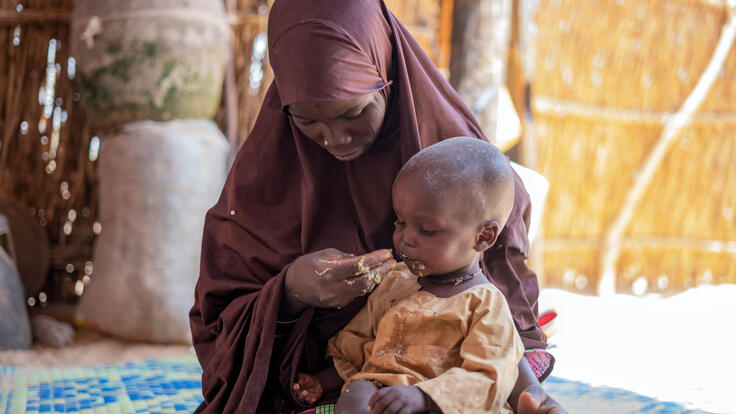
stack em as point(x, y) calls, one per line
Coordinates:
point(173, 385)
point(153, 386)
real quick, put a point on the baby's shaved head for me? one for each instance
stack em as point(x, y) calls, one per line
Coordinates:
point(468, 175)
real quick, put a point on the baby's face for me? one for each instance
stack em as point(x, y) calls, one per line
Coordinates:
point(429, 234)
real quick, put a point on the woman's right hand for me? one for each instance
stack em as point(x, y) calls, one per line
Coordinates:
point(330, 278)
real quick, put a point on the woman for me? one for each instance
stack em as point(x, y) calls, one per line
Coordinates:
point(353, 98)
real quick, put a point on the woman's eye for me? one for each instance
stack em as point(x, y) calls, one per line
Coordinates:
point(354, 117)
point(399, 223)
point(305, 122)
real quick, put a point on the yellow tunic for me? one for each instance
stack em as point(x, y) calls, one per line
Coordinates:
point(463, 351)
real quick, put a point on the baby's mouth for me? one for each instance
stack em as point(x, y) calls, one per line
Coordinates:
point(416, 266)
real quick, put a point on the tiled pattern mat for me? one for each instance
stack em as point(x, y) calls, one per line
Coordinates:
point(154, 386)
point(581, 398)
point(173, 385)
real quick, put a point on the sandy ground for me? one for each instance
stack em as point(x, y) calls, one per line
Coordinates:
point(91, 348)
point(673, 348)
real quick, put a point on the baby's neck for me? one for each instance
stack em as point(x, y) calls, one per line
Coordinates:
point(450, 284)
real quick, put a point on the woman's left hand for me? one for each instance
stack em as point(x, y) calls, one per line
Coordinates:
point(534, 400)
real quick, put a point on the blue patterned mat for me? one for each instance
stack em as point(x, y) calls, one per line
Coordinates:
point(581, 398)
point(154, 386)
point(173, 385)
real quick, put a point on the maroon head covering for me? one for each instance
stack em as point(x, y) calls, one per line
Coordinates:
point(286, 196)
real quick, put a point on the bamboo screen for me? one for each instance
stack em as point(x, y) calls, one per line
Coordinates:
point(609, 78)
point(47, 153)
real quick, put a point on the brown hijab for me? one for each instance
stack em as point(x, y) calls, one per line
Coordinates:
point(285, 196)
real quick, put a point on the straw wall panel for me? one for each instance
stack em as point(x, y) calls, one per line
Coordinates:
point(608, 75)
point(424, 19)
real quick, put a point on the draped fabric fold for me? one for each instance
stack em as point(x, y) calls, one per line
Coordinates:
point(285, 196)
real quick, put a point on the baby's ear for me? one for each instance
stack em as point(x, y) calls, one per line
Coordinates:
point(487, 235)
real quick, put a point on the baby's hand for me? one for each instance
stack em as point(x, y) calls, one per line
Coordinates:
point(307, 389)
point(398, 399)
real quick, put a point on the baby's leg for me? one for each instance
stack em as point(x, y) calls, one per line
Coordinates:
point(356, 397)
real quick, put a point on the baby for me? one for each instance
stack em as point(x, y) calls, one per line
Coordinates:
point(435, 335)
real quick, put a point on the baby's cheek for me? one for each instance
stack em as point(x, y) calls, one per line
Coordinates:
point(395, 240)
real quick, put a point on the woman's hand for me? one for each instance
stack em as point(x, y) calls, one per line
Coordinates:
point(534, 400)
point(307, 389)
point(330, 278)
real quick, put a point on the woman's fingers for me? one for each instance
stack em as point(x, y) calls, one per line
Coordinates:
point(358, 265)
point(342, 276)
point(366, 282)
point(385, 268)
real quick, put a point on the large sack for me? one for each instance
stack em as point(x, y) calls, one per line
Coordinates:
point(157, 181)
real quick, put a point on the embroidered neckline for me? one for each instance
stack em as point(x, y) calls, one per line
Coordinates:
point(453, 280)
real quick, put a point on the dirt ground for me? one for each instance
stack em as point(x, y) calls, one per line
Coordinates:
point(91, 348)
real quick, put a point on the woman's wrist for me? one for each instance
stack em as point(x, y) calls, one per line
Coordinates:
point(291, 306)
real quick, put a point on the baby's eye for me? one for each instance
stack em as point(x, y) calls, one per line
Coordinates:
point(399, 223)
point(427, 232)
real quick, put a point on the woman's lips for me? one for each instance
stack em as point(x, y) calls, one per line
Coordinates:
point(348, 156)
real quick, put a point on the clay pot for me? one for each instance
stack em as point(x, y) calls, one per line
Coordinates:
point(149, 59)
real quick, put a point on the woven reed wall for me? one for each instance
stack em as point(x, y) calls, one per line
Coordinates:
point(45, 144)
point(51, 172)
point(430, 22)
point(607, 76)
point(248, 76)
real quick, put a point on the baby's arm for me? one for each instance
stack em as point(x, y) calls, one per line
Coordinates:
point(346, 349)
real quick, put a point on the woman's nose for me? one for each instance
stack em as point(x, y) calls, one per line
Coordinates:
point(336, 137)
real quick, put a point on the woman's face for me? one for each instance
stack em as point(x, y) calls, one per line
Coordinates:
point(345, 128)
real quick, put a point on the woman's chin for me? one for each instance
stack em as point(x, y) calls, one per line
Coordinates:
point(350, 155)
